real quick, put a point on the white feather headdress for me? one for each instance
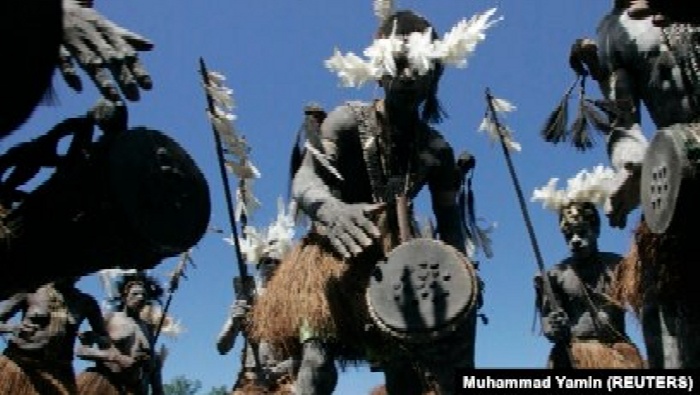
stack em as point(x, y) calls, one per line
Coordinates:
point(594, 187)
point(422, 52)
point(273, 241)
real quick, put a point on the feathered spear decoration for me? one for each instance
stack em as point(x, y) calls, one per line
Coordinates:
point(229, 142)
point(235, 148)
point(492, 111)
point(173, 285)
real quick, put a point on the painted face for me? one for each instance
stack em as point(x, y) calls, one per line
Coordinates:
point(581, 239)
point(579, 233)
point(135, 296)
point(408, 85)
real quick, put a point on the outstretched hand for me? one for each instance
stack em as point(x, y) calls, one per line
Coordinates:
point(104, 51)
point(349, 227)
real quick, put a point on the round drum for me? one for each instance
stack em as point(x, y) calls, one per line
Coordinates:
point(668, 168)
point(423, 291)
point(134, 199)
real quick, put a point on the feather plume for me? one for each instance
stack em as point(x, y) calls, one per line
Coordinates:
point(555, 129)
point(273, 241)
point(598, 120)
point(234, 144)
point(594, 186)
point(580, 131)
point(496, 130)
point(454, 49)
point(383, 9)
point(613, 109)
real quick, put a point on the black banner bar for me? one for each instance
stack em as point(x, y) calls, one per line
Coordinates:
point(579, 381)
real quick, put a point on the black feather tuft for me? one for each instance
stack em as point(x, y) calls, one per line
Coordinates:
point(554, 130)
point(580, 131)
point(600, 121)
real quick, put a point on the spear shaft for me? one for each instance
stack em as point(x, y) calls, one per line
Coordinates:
point(242, 269)
point(242, 287)
point(172, 287)
point(546, 284)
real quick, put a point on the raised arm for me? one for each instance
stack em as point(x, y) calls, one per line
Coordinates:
point(626, 142)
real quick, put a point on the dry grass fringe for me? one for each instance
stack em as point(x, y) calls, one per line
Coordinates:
point(312, 289)
point(625, 287)
point(91, 383)
point(249, 387)
point(596, 355)
point(23, 380)
point(658, 268)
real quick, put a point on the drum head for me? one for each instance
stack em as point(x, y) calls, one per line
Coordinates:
point(662, 173)
point(423, 290)
point(159, 189)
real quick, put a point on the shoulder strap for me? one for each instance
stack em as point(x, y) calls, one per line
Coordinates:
point(593, 310)
point(368, 129)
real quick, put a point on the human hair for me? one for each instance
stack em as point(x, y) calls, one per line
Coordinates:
point(152, 289)
point(407, 22)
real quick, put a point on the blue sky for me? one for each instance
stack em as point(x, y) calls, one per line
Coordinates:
point(272, 53)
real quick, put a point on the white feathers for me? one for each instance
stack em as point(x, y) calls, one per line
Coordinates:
point(495, 130)
point(234, 144)
point(273, 241)
point(352, 70)
point(461, 41)
point(383, 8)
point(594, 186)
point(422, 52)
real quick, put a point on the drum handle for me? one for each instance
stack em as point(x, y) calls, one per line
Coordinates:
point(402, 218)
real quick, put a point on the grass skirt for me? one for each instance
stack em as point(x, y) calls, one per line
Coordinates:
point(248, 387)
point(23, 376)
point(592, 354)
point(314, 290)
point(102, 381)
point(658, 266)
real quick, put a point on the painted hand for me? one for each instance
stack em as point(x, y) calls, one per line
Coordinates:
point(103, 50)
point(349, 227)
point(232, 327)
point(556, 325)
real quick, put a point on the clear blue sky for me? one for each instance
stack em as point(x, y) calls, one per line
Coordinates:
point(272, 53)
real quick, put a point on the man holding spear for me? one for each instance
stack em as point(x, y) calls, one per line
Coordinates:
point(260, 372)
